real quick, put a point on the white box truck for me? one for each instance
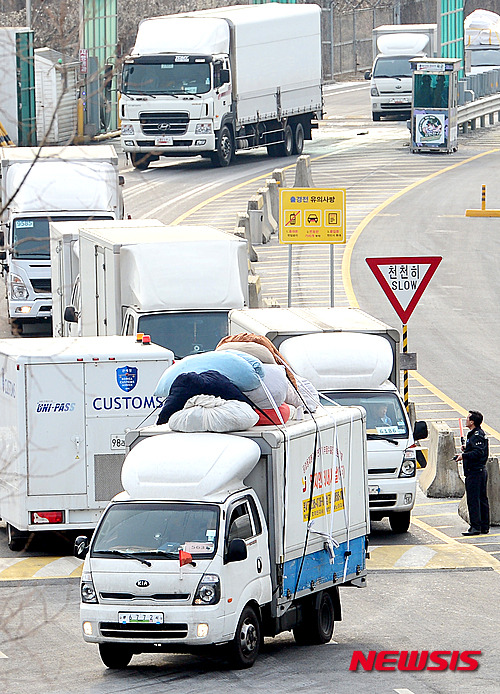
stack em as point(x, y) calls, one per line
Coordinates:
point(391, 74)
point(39, 185)
point(222, 539)
point(177, 284)
point(65, 267)
point(211, 82)
point(65, 407)
point(353, 359)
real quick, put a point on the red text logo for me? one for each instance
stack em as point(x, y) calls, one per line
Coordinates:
point(415, 660)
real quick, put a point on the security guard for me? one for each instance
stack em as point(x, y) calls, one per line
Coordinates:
point(474, 456)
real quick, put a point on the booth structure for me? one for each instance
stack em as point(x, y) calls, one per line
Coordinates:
point(434, 125)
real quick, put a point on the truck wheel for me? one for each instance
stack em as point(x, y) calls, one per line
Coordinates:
point(400, 522)
point(113, 656)
point(16, 326)
point(225, 148)
point(140, 161)
point(245, 646)
point(376, 116)
point(16, 539)
point(298, 139)
point(285, 148)
point(319, 624)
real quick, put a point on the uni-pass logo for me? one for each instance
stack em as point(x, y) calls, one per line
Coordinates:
point(415, 660)
point(126, 377)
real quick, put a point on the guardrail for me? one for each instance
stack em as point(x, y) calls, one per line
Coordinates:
point(469, 114)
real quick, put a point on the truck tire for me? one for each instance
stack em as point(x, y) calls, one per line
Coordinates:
point(298, 139)
point(225, 148)
point(376, 116)
point(140, 161)
point(245, 646)
point(285, 148)
point(318, 626)
point(114, 656)
point(16, 326)
point(400, 522)
point(16, 539)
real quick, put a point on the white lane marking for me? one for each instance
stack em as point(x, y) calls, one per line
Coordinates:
point(416, 556)
point(6, 563)
point(2, 655)
point(403, 691)
point(172, 201)
point(64, 566)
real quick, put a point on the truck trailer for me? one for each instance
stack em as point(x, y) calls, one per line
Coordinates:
point(221, 539)
point(39, 185)
point(65, 407)
point(212, 82)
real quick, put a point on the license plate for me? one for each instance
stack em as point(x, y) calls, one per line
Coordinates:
point(164, 140)
point(140, 617)
point(373, 489)
point(400, 101)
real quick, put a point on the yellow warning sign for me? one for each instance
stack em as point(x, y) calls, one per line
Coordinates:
point(310, 215)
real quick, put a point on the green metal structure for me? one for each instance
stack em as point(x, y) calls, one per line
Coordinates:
point(451, 25)
point(99, 35)
point(25, 78)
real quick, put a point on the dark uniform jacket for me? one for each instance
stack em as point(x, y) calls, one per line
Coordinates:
point(475, 454)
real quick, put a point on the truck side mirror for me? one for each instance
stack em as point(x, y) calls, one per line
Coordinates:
point(70, 315)
point(224, 76)
point(420, 431)
point(81, 547)
point(368, 75)
point(121, 180)
point(237, 550)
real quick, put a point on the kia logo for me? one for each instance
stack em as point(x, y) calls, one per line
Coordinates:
point(142, 583)
point(163, 126)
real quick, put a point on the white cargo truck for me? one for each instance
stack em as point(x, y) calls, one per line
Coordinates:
point(212, 82)
point(391, 74)
point(65, 266)
point(177, 284)
point(222, 539)
point(65, 407)
point(39, 185)
point(353, 359)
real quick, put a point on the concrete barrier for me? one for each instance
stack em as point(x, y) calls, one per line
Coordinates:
point(242, 229)
point(274, 197)
point(440, 478)
point(270, 223)
point(303, 174)
point(279, 177)
point(258, 234)
point(493, 492)
point(254, 291)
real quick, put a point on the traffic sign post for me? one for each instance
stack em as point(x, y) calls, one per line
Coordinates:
point(403, 280)
point(310, 215)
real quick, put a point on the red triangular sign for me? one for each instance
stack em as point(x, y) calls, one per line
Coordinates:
point(403, 280)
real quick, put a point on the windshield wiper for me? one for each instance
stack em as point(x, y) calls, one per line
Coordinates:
point(164, 553)
point(129, 555)
point(379, 437)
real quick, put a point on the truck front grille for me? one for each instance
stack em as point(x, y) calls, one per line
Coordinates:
point(143, 631)
point(155, 596)
point(167, 123)
point(41, 285)
point(382, 500)
point(176, 143)
point(382, 471)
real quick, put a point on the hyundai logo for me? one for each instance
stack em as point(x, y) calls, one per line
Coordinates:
point(163, 126)
point(142, 583)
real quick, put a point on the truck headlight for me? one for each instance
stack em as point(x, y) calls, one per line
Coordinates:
point(208, 591)
point(409, 466)
point(127, 129)
point(203, 129)
point(87, 590)
point(374, 91)
point(18, 289)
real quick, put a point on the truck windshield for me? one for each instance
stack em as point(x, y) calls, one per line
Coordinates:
point(185, 333)
point(30, 235)
point(158, 530)
point(166, 78)
point(384, 412)
point(392, 67)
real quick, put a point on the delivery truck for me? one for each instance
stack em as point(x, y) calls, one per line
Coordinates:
point(352, 358)
point(65, 407)
point(391, 75)
point(212, 82)
point(177, 284)
point(39, 185)
point(222, 539)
